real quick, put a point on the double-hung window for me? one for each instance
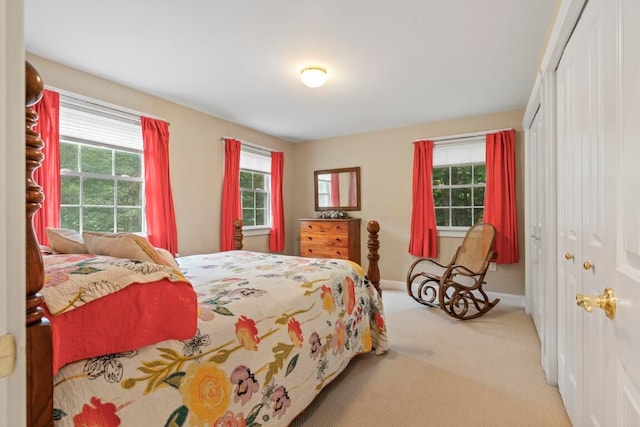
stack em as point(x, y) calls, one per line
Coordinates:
point(255, 188)
point(459, 178)
point(101, 168)
point(324, 189)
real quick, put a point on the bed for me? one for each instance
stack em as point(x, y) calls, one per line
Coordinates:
point(249, 338)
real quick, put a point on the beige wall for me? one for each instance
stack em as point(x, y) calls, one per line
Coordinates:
point(386, 161)
point(196, 154)
point(385, 158)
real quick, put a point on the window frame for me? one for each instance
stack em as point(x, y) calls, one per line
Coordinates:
point(257, 160)
point(112, 177)
point(77, 135)
point(458, 152)
point(323, 196)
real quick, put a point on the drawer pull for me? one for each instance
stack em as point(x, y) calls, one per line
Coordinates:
point(310, 238)
point(338, 239)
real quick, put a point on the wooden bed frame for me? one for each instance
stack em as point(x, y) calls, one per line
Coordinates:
point(39, 352)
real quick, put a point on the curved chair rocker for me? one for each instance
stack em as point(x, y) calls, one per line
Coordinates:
point(459, 288)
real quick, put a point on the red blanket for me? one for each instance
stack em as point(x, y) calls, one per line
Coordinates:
point(135, 316)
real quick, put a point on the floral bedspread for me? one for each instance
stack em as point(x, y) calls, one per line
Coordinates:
point(272, 332)
point(73, 280)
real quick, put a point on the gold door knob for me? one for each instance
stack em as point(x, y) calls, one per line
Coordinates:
point(568, 256)
point(587, 265)
point(606, 301)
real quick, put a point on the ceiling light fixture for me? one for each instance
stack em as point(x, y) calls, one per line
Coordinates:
point(313, 75)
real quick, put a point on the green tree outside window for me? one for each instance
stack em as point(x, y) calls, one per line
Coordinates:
point(458, 194)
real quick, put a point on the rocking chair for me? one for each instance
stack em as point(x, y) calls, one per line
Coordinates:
point(458, 289)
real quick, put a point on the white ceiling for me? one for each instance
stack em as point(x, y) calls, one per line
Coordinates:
point(392, 63)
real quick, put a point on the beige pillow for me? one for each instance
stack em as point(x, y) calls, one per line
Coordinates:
point(122, 245)
point(66, 241)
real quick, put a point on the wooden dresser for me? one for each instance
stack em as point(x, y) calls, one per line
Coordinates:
point(330, 238)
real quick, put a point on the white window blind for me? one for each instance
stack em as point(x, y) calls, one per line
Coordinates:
point(460, 152)
point(255, 159)
point(85, 121)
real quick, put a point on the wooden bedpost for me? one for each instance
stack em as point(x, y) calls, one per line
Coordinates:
point(373, 272)
point(237, 234)
point(39, 345)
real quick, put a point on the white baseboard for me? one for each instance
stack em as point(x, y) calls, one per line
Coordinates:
point(512, 300)
point(392, 284)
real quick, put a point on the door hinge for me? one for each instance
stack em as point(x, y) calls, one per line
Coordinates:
point(7, 355)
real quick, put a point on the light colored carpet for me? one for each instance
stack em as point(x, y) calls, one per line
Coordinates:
point(443, 372)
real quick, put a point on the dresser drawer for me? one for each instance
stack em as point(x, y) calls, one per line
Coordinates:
point(324, 228)
point(324, 251)
point(333, 241)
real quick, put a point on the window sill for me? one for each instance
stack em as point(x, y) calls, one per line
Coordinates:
point(256, 231)
point(452, 233)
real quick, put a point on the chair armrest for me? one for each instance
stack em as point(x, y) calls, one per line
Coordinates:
point(461, 269)
point(420, 260)
point(417, 263)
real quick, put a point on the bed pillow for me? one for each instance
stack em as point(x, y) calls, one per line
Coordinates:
point(123, 245)
point(66, 241)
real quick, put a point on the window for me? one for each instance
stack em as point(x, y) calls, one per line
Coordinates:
point(324, 190)
point(101, 168)
point(459, 178)
point(255, 187)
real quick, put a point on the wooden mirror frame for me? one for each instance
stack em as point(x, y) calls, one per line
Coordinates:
point(351, 207)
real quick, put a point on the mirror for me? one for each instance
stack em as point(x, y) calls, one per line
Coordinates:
point(337, 189)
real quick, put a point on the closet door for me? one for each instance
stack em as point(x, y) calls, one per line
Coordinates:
point(598, 89)
point(541, 285)
point(548, 199)
point(598, 84)
point(535, 203)
point(583, 79)
point(623, 273)
point(569, 227)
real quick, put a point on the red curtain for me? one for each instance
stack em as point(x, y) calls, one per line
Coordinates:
point(353, 193)
point(276, 235)
point(231, 206)
point(424, 234)
point(48, 174)
point(500, 195)
point(161, 219)
point(335, 190)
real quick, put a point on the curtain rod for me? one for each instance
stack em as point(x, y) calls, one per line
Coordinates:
point(250, 144)
point(462, 135)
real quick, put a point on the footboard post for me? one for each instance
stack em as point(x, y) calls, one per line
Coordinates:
point(237, 235)
point(373, 272)
point(39, 342)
